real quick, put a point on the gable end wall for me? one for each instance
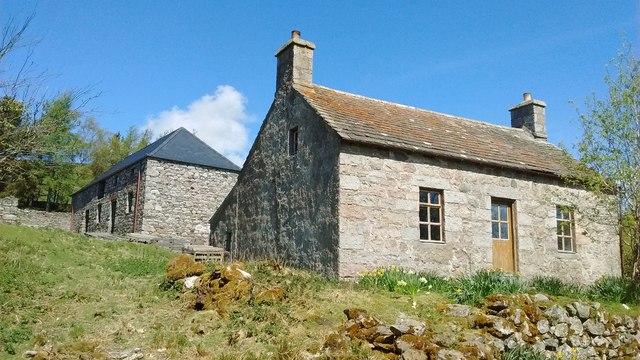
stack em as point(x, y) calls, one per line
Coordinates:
point(284, 206)
point(180, 198)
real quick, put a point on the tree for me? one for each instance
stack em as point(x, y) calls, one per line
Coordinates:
point(610, 150)
point(107, 149)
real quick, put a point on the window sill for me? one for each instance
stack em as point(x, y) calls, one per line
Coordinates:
point(432, 242)
point(566, 254)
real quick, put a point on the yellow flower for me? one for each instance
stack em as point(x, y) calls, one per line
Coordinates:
point(393, 266)
point(458, 291)
point(573, 350)
point(382, 270)
point(559, 355)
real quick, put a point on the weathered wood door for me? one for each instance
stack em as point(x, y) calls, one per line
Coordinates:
point(502, 235)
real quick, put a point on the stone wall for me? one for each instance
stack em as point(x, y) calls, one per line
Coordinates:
point(285, 206)
point(577, 330)
point(379, 221)
point(119, 190)
point(179, 199)
point(11, 214)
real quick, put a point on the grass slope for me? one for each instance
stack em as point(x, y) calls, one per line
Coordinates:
point(86, 296)
point(83, 298)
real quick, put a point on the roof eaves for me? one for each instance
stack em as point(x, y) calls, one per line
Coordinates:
point(461, 157)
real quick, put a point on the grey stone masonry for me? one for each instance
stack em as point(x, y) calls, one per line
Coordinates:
point(117, 190)
point(284, 205)
point(164, 198)
point(11, 214)
point(379, 219)
point(179, 198)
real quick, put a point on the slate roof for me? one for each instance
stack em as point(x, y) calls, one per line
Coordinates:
point(384, 124)
point(180, 146)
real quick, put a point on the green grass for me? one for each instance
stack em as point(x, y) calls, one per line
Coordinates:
point(63, 287)
point(86, 297)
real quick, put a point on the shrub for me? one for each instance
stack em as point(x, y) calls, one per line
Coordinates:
point(615, 289)
point(472, 289)
point(554, 286)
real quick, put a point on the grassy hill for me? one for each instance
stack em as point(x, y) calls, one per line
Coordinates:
point(78, 297)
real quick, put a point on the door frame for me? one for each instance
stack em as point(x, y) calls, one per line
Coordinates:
point(513, 235)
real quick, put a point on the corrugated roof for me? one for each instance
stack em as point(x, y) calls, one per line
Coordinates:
point(179, 145)
point(384, 124)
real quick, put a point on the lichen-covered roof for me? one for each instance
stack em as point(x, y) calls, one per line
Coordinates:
point(180, 146)
point(379, 123)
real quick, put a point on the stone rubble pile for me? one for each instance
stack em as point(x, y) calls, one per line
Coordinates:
point(575, 331)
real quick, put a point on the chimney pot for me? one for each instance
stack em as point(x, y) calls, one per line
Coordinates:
point(295, 34)
point(527, 96)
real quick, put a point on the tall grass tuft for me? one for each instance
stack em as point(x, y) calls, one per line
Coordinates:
point(615, 289)
point(523, 353)
point(554, 286)
point(473, 288)
point(402, 281)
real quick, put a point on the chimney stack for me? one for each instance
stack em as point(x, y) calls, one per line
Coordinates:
point(295, 62)
point(530, 115)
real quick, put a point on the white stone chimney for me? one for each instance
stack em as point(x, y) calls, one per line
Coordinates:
point(530, 115)
point(295, 62)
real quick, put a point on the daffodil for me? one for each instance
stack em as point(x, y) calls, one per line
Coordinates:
point(402, 283)
point(423, 280)
point(393, 266)
point(559, 355)
point(458, 291)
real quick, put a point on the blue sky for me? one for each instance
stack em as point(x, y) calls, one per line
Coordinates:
point(210, 65)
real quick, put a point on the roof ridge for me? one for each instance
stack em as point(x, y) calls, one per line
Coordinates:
point(479, 122)
point(169, 136)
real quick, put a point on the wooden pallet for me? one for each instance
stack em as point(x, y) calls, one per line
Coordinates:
point(205, 253)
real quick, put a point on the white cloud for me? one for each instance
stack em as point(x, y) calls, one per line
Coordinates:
point(219, 120)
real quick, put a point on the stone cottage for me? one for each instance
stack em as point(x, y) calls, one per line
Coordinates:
point(341, 183)
point(169, 188)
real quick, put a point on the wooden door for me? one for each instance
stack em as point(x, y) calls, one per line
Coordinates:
point(502, 235)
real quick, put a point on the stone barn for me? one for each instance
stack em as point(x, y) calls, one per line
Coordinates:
point(340, 183)
point(169, 188)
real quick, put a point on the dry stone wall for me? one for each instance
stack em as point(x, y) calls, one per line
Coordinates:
point(179, 199)
point(11, 214)
point(379, 221)
point(579, 330)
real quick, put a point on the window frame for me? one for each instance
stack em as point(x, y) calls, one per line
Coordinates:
point(562, 238)
point(293, 140)
point(98, 213)
point(130, 202)
point(504, 225)
point(429, 205)
point(101, 186)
